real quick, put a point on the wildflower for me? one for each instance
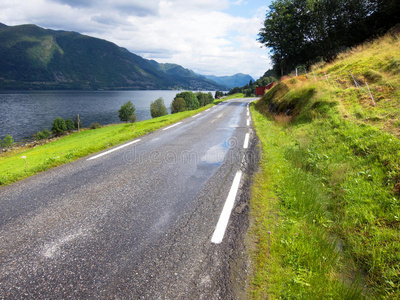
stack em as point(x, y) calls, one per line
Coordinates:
point(269, 232)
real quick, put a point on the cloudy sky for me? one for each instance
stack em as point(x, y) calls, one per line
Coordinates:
point(211, 37)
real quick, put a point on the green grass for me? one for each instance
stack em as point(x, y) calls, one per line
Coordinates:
point(76, 145)
point(325, 203)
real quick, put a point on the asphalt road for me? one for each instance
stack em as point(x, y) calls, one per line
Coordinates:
point(135, 223)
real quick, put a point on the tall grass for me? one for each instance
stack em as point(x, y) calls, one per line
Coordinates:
point(326, 202)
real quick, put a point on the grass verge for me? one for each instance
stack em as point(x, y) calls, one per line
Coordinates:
point(23, 162)
point(325, 203)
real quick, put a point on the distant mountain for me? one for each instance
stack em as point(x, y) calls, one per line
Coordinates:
point(32, 57)
point(236, 80)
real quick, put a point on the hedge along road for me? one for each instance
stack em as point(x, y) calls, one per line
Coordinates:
point(137, 221)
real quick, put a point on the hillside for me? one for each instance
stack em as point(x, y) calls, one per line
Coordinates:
point(231, 81)
point(326, 202)
point(35, 58)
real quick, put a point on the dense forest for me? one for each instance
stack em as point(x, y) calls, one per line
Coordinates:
point(303, 32)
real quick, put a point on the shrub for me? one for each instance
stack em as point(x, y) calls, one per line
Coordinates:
point(40, 136)
point(126, 112)
point(158, 108)
point(95, 125)
point(8, 141)
point(59, 126)
point(70, 124)
point(46, 133)
point(190, 99)
point(178, 105)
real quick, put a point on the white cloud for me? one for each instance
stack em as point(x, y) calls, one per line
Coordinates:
point(197, 34)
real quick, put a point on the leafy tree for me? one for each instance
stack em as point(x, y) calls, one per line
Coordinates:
point(127, 112)
point(190, 99)
point(219, 94)
point(7, 142)
point(59, 126)
point(70, 124)
point(158, 108)
point(178, 105)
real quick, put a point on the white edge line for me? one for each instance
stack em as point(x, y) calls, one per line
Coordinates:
point(114, 149)
point(195, 116)
point(246, 141)
point(207, 109)
point(176, 124)
point(220, 229)
point(248, 122)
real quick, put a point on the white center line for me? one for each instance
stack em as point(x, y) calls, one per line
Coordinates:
point(172, 126)
point(114, 149)
point(220, 229)
point(246, 141)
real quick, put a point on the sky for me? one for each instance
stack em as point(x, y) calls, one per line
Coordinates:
point(210, 37)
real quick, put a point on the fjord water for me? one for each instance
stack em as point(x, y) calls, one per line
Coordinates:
point(24, 113)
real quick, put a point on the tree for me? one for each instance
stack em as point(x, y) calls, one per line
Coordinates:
point(127, 112)
point(70, 124)
point(8, 141)
point(178, 105)
point(158, 108)
point(59, 126)
point(190, 99)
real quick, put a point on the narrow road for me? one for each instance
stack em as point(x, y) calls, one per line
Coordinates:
point(136, 222)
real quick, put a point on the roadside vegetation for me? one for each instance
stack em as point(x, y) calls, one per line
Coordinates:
point(326, 200)
point(21, 162)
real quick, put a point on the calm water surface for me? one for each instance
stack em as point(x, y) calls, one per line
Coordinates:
point(24, 113)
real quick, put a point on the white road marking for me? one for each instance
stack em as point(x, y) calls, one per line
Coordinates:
point(114, 149)
point(195, 116)
point(220, 229)
point(248, 113)
point(51, 249)
point(248, 122)
point(207, 109)
point(172, 126)
point(246, 141)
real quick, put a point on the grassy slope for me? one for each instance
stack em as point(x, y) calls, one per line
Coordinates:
point(326, 201)
point(76, 145)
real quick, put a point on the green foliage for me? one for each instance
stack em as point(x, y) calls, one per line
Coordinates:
point(250, 89)
point(204, 98)
point(95, 125)
point(58, 126)
point(158, 108)
point(178, 105)
point(7, 142)
point(70, 124)
point(41, 135)
point(190, 99)
point(219, 94)
point(127, 112)
point(302, 32)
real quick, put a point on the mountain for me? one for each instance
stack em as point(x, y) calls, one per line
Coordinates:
point(32, 57)
point(231, 81)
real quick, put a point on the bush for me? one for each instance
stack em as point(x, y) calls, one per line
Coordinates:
point(158, 108)
point(95, 126)
point(59, 126)
point(70, 124)
point(41, 135)
point(126, 112)
point(178, 105)
point(7, 142)
point(190, 99)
